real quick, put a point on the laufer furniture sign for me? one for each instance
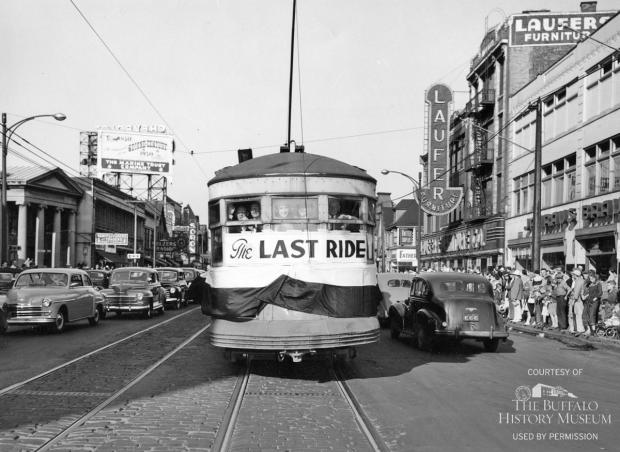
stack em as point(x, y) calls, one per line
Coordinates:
point(544, 29)
point(438, 198)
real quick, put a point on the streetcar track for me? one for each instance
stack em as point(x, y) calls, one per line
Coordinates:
point(223, 441)
point(15, 386)
point(84, 418)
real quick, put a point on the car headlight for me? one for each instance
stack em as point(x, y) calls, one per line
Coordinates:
point(46, 302)
point(139, 296)
point(172, 290)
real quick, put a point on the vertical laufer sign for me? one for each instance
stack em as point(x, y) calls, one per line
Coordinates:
point(437, 197)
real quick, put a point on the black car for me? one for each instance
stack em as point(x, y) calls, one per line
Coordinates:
point(173, 281)
point(100, 278)
point(448, 305)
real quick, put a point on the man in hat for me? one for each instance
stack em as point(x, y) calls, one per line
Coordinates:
point(575, 303)
point(515, 295)
point(560, 293)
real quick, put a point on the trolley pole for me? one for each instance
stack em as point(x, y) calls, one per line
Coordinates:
point(290, 80)
point(536, 219)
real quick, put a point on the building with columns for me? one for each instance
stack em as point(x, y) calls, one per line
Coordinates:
point(42, 206)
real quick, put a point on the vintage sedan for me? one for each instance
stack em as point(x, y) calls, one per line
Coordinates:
point(394, 287)
point(135, 289)
point(173, 282)
point(53, 297)
point(449, 305)
point(100, 278)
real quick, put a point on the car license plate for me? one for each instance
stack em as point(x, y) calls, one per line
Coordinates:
point(471, 317)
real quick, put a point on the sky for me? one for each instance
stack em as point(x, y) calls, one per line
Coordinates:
point(216, 74)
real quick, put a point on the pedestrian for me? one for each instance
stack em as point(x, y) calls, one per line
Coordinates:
point(560, 292)
point(515, 295)
point(575, 303)
point(591, 304)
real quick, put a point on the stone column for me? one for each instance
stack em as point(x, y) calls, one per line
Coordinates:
point(72, 228)
point(39, 245)
point(22, 228)
point(56, 257)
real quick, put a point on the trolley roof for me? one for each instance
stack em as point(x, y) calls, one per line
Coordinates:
point(290, 164)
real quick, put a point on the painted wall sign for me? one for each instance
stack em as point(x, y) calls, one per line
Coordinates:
point(470, 239)
point(439, 198)
point(601, 213)
point(545, 29)
point(554, 222)
point(105, 238)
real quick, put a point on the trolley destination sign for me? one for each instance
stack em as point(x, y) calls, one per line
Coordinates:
point(439, 198)
point(343, 246)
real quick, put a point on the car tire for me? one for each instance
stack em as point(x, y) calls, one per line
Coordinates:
point(102, 313)
point(425, 339)
point(395, 326)
point(491, 345)
point(59, 322)
point(94, 320)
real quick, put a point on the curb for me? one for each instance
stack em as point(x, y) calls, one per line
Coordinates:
point(593, 342)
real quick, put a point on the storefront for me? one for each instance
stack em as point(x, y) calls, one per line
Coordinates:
point(583, 233)
point(465, 247)
point(598, 234)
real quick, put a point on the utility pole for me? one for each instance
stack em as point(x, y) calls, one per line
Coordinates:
point(536, 220)
point(420, 224)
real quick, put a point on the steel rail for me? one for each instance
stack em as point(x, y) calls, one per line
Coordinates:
point(224, 437)
point(79, 422)
point(364, 423)
point(47, 372)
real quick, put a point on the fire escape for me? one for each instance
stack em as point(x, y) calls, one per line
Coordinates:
point(479, 161)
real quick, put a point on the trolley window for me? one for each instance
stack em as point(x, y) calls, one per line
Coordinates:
point(291, 214)
point(344, 214)
point(216, 245)
point(214, 212)
point(244, 215)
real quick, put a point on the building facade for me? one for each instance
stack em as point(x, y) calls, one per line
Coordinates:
point(400, 238)
point(509, 57)
point(580, 190)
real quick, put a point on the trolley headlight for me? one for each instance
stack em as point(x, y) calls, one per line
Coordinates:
point(139, 296)
point(46, 302)
point(444, 324)
point(172, 290)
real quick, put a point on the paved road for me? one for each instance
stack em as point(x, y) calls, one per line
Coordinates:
point(462, 399)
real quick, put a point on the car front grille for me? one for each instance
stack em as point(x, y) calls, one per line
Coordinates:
point(125, 299)
point(23, 310)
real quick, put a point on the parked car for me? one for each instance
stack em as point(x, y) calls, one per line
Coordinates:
point(394, 287)
point(173, 282)
point(53, 297)
point(449, 305)
point(135, 289)
point(100, 278)
point(6, 282)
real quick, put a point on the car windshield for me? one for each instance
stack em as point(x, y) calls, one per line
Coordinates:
point(6, 277)
point(461, 288)
point(167, 275)
point(130, 276)
point(42, 280)
point(189, 276)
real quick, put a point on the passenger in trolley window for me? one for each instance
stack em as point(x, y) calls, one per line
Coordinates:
point(281, 211)
point(233, 215)
point(336, 213)
point(255, 215)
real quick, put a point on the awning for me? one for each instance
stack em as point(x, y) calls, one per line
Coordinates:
point(111, 257)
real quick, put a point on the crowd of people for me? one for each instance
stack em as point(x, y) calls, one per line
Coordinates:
point(577, 302)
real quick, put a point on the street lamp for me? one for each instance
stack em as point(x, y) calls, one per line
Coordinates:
point(7, 133)
point(416, 192)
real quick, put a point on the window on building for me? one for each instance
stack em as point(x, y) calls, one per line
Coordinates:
point(524, 187)
point(591, 180)
point(602, 167)
point(600, 94)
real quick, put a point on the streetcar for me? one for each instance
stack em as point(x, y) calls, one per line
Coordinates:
point(293, 266)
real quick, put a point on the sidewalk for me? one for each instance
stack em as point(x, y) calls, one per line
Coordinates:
point(567, 338)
